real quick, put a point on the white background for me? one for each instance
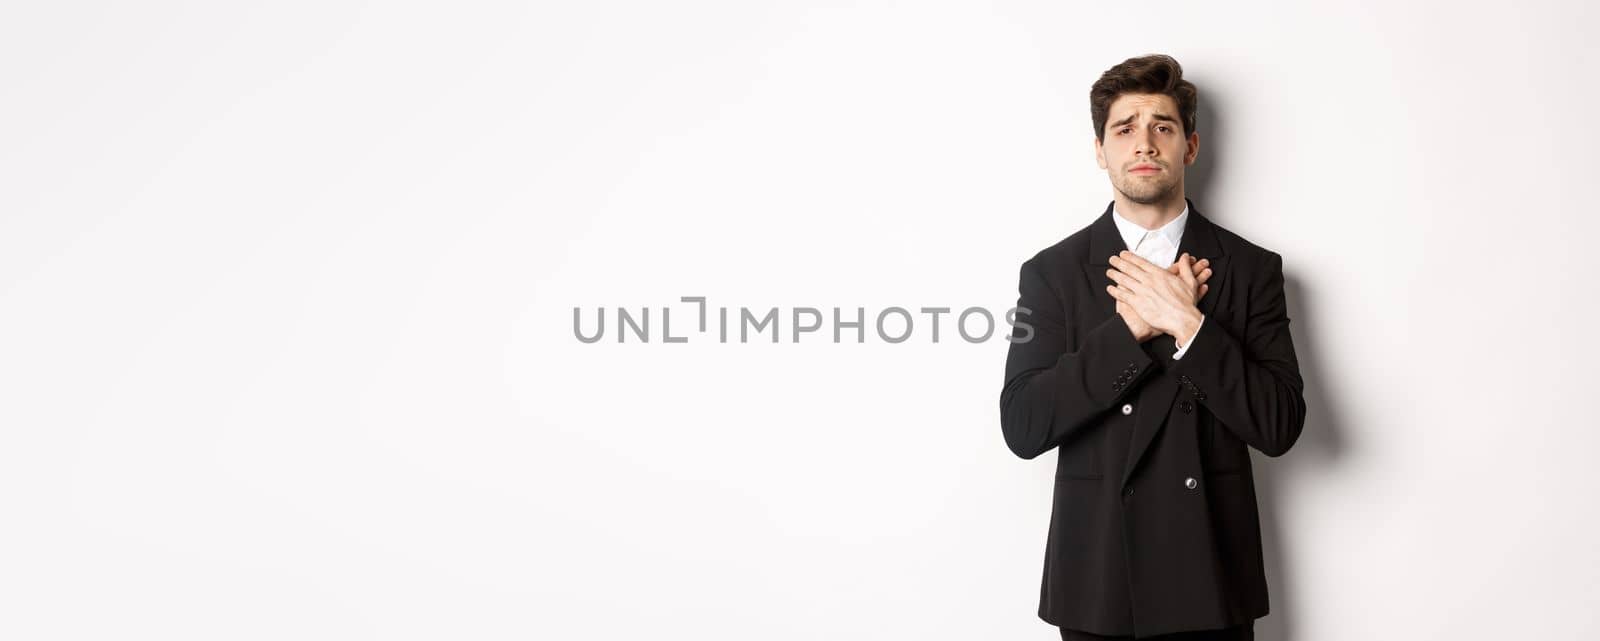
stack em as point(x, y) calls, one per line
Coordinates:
point(286, 294)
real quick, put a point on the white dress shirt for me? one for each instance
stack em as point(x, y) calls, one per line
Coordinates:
point(1159, 246)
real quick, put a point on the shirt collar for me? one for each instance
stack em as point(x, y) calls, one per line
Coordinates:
point(1132, 233)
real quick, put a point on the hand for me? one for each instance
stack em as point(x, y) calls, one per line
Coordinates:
point(1141, 330)
point(1144, 291)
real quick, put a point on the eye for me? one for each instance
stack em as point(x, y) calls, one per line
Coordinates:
point(1165, 128)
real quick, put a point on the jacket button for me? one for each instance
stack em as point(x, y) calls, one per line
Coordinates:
point(1191, 483)
point(1127, 409)
point(1128, 492)
point(1186, 406)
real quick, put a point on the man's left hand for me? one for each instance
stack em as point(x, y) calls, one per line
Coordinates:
point(1163, 299)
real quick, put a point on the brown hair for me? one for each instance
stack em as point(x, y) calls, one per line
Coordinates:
point(1155, 74)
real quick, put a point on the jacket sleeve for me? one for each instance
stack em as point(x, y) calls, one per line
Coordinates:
point(1252, 387)
point(1056, 385)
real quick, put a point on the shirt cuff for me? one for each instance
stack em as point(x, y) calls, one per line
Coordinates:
point(1184, 348)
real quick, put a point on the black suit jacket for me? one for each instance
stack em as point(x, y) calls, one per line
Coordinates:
point(1153, 525)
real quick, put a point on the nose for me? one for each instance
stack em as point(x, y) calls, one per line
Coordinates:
point(1144, 144)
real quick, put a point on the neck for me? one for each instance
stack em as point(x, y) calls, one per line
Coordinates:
point(1153, 215)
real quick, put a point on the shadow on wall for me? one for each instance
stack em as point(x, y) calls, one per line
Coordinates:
point(1321, 442)
point(1320, 446)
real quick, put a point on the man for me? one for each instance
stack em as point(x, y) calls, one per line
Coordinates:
point(1159, 350)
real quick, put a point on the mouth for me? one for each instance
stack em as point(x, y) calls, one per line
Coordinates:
point(1144, 169)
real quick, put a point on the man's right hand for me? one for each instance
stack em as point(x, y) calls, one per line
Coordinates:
point(1142, 331)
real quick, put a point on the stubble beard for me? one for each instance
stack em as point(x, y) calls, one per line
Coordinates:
point(1147, 192)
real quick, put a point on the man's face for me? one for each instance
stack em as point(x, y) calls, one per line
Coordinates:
point(1144, 150)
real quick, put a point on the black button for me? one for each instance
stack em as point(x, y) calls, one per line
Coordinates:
point(1128, 492)
point(1186, 406)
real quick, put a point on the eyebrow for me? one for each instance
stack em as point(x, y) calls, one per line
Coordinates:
point(1157, 116)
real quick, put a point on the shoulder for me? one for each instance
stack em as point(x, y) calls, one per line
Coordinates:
point(1246, 253)
point(1063, 254)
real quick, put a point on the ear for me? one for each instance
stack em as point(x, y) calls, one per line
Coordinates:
point(1194, 149)
point(1099, 153)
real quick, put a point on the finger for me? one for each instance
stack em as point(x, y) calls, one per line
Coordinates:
point(1123, 266)
point(1118, 293)
point(1125, 281)
point(1184, 272)
point(1187, 273)
point(1124, 277)
point(1138, 261)
point(1203, 276)
point(1202, 293)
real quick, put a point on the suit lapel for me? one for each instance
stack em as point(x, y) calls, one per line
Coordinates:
point(1199, 240)
point(1104, 241)
point(1155, 398)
